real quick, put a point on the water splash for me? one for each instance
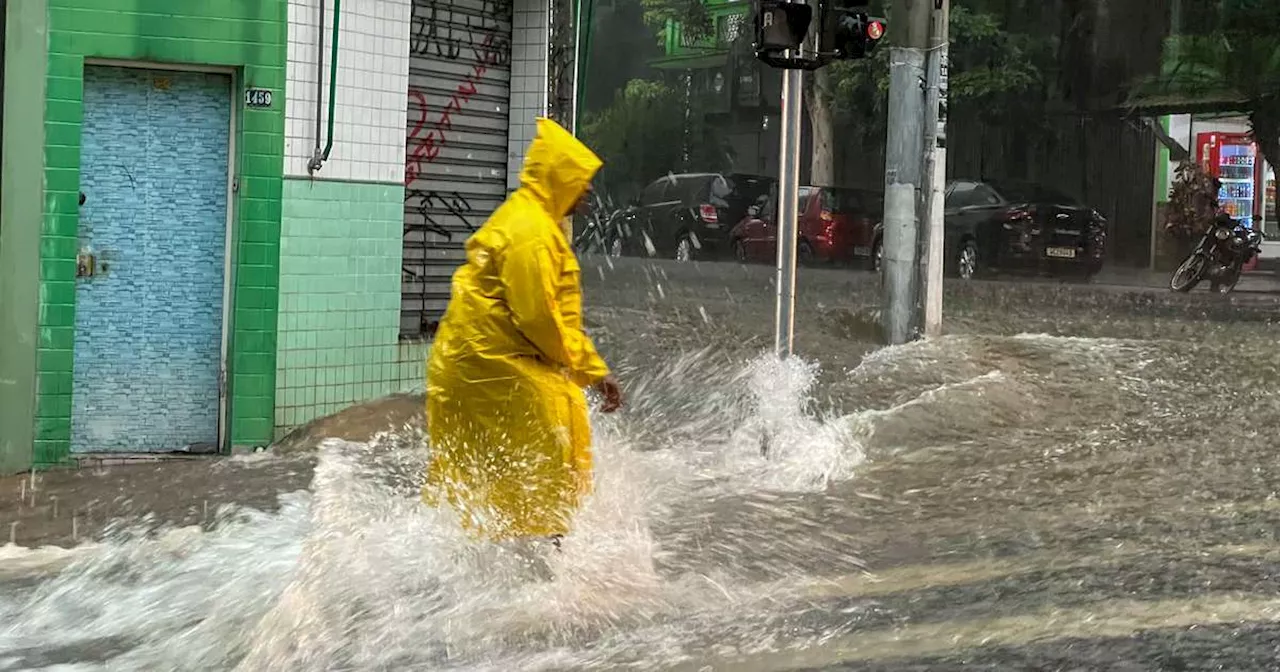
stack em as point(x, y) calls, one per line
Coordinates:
point(358, 574)
point(675, 555)
point(175, 600)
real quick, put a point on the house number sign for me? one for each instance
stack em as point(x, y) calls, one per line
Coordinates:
point(257, 98)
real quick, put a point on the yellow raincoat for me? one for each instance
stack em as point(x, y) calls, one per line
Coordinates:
point(506, 413)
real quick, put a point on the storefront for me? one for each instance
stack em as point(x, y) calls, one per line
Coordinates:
point(1222, 146)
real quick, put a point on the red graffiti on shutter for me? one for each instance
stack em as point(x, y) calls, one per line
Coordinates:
point(422, 142)
point(425, 139)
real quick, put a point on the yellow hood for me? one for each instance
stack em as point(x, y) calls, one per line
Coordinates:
point(558, 168)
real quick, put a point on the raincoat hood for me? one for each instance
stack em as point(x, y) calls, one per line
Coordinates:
point(558, 168)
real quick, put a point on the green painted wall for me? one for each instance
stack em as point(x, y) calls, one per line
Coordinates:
point(339, 321)
point(20, 182)
point(249, 35)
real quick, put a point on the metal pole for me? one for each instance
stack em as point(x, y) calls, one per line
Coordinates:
point(936, 167)
point(314, 164)
point(904, 168)
point(788, 191)
point(577, 63)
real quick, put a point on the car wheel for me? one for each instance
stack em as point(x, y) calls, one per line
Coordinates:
point(967, 262)
point(684, 248)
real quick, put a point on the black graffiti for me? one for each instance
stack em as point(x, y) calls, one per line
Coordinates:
point(497, 49)
point(497, 52)
point(428, 204)
point(428, 30)
point(441, 29)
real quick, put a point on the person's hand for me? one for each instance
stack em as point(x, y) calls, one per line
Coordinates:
point(609, 388)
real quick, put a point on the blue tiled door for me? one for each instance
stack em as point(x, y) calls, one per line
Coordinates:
point(148, 343)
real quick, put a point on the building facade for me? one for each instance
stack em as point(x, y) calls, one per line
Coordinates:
point(218, 224)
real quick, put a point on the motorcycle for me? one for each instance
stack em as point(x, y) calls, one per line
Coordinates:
point(603, 231)
point(1219, 257)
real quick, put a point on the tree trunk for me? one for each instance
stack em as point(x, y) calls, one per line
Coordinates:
point(1264, 121)
point(822, 168)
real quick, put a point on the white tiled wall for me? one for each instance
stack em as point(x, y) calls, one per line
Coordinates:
point(528, 80)
point(373, 78)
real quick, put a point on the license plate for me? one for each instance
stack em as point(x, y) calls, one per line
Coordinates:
point(1060, 252)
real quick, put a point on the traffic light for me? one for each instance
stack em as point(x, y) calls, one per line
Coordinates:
point(848, 33)
point(782, 27)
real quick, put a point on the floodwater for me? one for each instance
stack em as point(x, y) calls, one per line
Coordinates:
point(1044, 488)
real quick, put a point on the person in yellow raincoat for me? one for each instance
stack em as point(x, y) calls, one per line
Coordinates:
point(506, 414)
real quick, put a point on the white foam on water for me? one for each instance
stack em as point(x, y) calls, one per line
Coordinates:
point(20, 561)
point(176, 601)
point(358, 574)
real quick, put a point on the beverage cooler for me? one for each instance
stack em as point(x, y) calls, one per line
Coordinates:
point(1272, 226)
point(1234, 159)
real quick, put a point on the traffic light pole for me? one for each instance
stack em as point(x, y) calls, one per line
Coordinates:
point(783, 40)
point(788, 195)
point(903, 169)
point(936, 166)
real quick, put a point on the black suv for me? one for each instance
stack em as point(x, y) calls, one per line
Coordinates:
point(689, 216)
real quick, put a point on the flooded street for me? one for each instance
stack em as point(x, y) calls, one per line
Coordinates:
point(1071, 478)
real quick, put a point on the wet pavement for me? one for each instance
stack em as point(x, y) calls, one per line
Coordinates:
point(1072, 478)
point(1086, 475)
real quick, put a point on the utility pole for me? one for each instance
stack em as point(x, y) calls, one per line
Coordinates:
point(935, 166)
point(904, 168)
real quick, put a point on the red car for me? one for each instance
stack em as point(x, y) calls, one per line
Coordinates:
point(835, 225)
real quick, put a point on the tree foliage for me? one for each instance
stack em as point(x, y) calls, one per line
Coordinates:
point(622, 45)
point(1240, 57)
point(1191, 202)
point(692, 15)
point(646, 133)
point(1001, 72)
point(995, 70)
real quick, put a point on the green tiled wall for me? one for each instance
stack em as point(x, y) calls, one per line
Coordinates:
point(247, 35)
point(339, 321)
point(24, 86)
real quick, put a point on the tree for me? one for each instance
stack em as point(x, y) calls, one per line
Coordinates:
point(692, 15)
point(1239, 57)
point(638, 136)
point(819, 89)
point(818, 96)
point(996, 71)
point(1191, 202)
point(622, 46)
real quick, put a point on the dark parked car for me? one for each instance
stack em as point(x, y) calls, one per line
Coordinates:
point(833, 225)
point(688, 216)
point(1011, 226)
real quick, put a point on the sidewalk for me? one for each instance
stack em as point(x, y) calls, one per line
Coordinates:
point(1257, 282)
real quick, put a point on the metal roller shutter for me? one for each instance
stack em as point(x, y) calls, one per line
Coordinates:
point(456, 162)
